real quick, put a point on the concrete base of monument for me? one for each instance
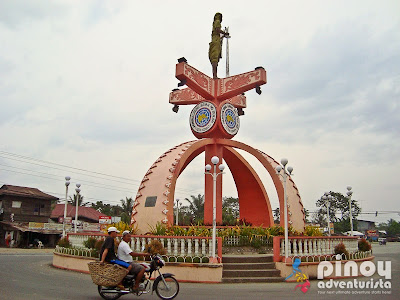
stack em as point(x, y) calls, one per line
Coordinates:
point(310, 269)
point(213, 260)
point(184, 272)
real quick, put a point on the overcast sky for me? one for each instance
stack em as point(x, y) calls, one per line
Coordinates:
point(85, 84)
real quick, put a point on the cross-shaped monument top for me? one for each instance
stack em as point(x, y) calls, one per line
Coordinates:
point(221, 98)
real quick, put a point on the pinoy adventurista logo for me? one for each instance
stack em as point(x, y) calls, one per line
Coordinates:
point(365, 284)
point(300, 276)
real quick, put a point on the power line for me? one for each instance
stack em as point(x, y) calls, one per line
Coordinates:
point(61, 165)
point(28, 162)
point(81, 180)
point(63, 195)
point(86, 198)
point(97, 186)
point(103, 174)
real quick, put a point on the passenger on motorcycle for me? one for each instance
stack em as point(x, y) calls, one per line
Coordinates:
point(125, 254)
point(107, 252)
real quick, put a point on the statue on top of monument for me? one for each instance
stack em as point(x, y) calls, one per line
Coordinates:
point(215, 50)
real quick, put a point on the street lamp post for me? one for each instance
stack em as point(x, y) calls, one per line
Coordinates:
point(67, 179)
point(78, 185)
point(286, 172)
point(327, 198)
point(349, 193)
point(221, 167)
point(177, 212)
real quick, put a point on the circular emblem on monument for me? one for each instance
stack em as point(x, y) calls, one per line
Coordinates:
point(230, 119)
point(202, 117)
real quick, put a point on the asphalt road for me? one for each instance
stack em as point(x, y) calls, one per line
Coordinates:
point(29, 275)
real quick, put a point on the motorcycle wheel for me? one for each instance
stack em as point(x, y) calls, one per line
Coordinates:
point(107, 296)
point(169, 291)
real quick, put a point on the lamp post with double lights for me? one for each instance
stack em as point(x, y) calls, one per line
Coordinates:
point(67, 179)
point(214, 174)
point(327, 198)
point(349, 193)
point(77, 190)
point(286, 172)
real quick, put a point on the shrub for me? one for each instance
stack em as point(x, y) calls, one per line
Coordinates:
point(312, 231)
point(158, 229)
point(277, 230)
point(244, 241)
point(256, 243)
point(122, 226)
point(363, 245)
point(155, 247)
point(95, 253)
point(64, 242)
point(90, 242)
point(98, 244)
point(341, 249)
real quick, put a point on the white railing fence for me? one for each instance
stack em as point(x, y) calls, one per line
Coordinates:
point(184, 248)
point(74, 251)
point(247, 240)
point(316, 248)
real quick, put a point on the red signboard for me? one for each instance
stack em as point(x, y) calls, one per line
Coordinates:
point(104, 220)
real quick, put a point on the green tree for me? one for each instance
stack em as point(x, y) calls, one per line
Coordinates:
point(185, 215)
point(116, 211)
point(338, 204)
point(80, 200)
point(196, 207)
point(108, 209)
point(127, 206)
point(343, 225)
point(230, 210)
point(393, 228)
point(99, 205)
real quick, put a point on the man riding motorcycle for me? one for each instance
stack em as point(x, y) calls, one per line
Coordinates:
point(125, 254)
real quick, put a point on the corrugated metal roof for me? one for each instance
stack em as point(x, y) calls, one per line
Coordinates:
point(83, 211)
point(21, 191)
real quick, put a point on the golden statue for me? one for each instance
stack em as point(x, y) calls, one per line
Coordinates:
point(215, 50)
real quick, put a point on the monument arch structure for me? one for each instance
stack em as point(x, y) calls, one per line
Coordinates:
point(155, 198)
point(214, 121)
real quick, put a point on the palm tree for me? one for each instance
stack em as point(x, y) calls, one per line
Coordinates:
point(80, 200)
point(127, 206)
point(196, 206)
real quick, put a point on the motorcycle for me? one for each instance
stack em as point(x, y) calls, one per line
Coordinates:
point(165, 285)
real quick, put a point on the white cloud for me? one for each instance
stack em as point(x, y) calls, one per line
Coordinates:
point(86, 84)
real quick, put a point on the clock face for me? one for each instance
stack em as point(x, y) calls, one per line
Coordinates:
point(230, 119)
point(203, 117)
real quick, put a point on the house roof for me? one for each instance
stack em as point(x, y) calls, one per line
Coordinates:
point(26, 192)
point(83, 211)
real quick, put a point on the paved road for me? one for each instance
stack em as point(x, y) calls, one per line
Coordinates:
point(26, 274)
